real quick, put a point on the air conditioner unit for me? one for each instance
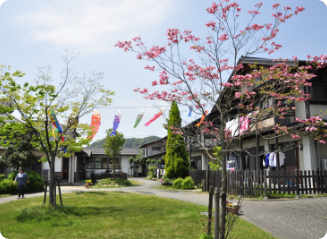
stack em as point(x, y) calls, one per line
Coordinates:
point(324, 164)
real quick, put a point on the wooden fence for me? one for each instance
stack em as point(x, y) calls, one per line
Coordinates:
point(197, 175)
point(256, 183)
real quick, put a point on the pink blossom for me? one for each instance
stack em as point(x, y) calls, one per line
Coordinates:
point(275, 5)
point(238, 94)
point(154, 83)
point(136, 38)
point(295, 136)
point(299, 9)
point(211, 24)
point(149, 68)
point(295, 58)
point(139, 56)
point(223, 37)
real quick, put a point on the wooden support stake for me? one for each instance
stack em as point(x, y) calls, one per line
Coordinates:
point(59, 192)
point(45, 191)
point(210, 209)
point(216, 226)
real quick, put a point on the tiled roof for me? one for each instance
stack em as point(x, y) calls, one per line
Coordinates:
point(125, 151)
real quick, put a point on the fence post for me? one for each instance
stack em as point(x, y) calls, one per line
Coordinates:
point(45, 191)
point(204, 185)
point(216, 226)
point(297, 185)
point(265, 182)
point(207, 177)
point(210, 210)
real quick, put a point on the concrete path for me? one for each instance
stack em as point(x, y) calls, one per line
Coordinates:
point(286, 219)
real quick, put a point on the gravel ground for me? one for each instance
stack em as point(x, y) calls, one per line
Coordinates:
point(286, 219)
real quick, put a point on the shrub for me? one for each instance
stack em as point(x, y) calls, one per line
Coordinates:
point(2, 177)
point(119, 181)
point(7, 187)
point(12, 175)
point(152, 171)
point(167, 181)
point(188, 183)
point(178, 183)
point(35, 184)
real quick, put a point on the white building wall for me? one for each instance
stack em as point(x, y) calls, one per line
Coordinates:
point(309, 153)
point(315, 109)
point(46, 166)
point(322, 152)
point(125, 165)
point(301, 156)
point(300, 110)
point(58, 164)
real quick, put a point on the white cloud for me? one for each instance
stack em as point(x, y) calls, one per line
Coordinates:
point(93, 26)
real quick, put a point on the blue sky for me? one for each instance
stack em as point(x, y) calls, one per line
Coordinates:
point(36, 32)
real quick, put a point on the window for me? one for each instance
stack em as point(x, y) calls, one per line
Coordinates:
point(97, 163)
point(156, 148)
point(318, 90)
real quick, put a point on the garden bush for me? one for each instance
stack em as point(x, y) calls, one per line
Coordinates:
point(2, 177)
point(188, 183)
point(178, 183)
point(35, 184)
point(167, 181)
point(7, 187)
point(109, 182)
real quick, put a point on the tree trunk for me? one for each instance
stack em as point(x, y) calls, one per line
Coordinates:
point(224, 178)
point(52, 180)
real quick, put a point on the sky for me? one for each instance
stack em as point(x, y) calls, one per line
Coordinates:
point(36, 32)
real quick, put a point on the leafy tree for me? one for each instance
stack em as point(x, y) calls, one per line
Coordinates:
point(73, 98)
point(112, 147)
point(176, 158)
point(217, 80)
point(216, 165)
point(21, 155)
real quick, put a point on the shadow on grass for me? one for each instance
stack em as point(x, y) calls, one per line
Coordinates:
point(48, 213)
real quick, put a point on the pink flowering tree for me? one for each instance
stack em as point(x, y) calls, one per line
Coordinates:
point(217, 82)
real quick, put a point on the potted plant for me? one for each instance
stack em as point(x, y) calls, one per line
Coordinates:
point(232, 208)
point(88, 183)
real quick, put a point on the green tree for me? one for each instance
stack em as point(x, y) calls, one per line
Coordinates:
point(20, 155)
point(70, 100)
point(216, 165)
point(113, 146)
point(176, 160)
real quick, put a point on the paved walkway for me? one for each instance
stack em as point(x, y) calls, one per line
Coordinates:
point(286, 219)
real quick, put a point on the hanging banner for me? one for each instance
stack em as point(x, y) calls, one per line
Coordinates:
point(202, 118)
point(138, 119)
point(55, 123)
point(156, 116)
point(190, 113)
point(95, 123)
point(116, 123)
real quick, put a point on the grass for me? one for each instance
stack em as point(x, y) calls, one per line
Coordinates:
point(101, 215)
point(134, 183)
point(5, 195)
point(110, 215)
point(169, 188)
point(245, 230)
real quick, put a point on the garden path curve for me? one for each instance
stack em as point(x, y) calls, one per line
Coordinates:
point(286, 219)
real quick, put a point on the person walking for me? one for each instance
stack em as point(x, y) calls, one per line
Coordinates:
point(22, 179)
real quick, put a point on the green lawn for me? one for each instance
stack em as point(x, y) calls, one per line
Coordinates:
point(109, 215)
point(170, 188)
point(134, 183)
point(4, 195)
